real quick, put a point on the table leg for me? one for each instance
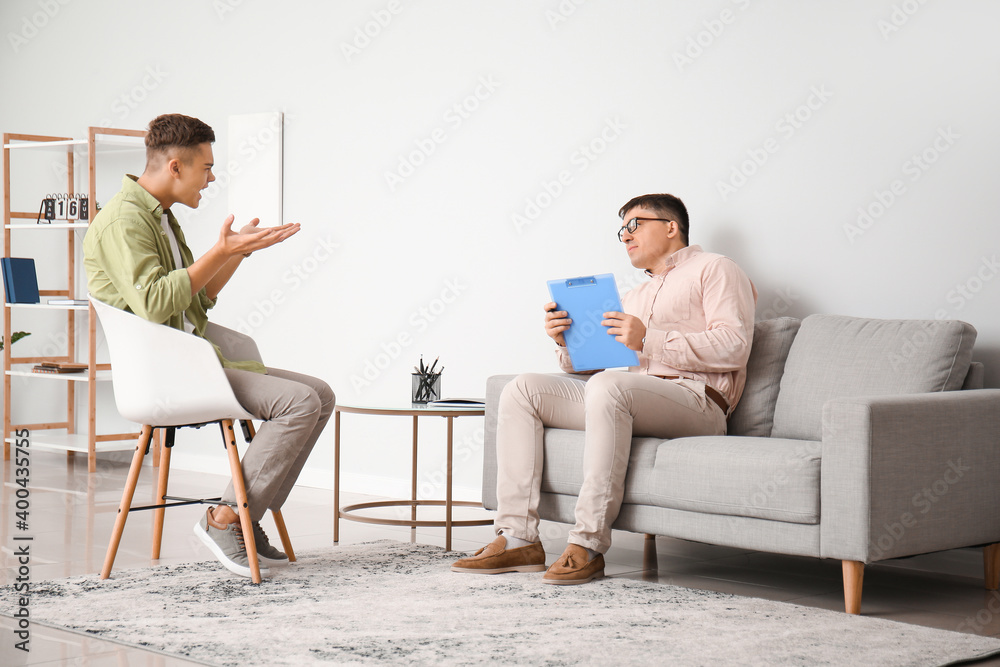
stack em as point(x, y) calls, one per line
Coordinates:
point(336, 476)
point(447, 503)
point(413, 483)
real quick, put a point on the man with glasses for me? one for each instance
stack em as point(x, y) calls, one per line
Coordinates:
point(692, 325)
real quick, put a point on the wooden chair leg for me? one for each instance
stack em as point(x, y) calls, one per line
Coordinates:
point(991, 566)
point(156, 447)
point(166, 447)
point(249, 432)
point(854, 572)
point(286, 543)
point(126, 503)
point(241, 499)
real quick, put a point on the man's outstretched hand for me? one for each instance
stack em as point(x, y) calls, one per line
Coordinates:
point(213, 270)
point(251, 238)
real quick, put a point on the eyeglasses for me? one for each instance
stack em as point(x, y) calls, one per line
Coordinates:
point(633, 225)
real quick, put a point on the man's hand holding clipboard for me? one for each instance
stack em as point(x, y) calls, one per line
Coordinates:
point(627, 329)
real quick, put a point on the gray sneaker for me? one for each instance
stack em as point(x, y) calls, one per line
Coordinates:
point(226, 543)
point(266, 552)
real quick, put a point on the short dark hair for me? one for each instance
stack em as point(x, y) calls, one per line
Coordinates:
point(174, 130)
point(667, 205)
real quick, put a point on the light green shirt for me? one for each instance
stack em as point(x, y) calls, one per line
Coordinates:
point(130, 265)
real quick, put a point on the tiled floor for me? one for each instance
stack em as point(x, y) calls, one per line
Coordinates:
point(72, 513)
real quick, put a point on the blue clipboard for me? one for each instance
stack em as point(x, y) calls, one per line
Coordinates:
point(586, 299)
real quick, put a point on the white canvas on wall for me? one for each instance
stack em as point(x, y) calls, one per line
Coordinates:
point(254, 168)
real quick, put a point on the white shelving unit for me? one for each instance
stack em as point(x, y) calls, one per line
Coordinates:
point(61, 434)
point(54, 225)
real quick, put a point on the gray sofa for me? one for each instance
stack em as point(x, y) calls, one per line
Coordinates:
point(856, 439)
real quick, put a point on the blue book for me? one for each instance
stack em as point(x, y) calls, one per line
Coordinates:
point(19, 280)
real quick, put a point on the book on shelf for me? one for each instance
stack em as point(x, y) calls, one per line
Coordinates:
point(19, 280)
point(458, 403)
point(67, 302)
point(59, 367)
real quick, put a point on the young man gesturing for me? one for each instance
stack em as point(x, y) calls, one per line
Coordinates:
point(137, 260)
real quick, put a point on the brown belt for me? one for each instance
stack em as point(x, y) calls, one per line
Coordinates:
point(710, 391)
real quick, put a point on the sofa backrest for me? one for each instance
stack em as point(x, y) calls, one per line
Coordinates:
point(976, 376)
point(754, 414)
point(834, 356)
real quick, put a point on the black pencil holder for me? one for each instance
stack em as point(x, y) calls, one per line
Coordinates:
point(425, 387)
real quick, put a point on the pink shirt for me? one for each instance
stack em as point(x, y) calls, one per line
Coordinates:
point(699, 316)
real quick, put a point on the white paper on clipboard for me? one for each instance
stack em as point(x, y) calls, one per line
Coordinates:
point(586, 299)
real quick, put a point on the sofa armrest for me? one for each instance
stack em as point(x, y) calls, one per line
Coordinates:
point(909, 474)
point(494, 387)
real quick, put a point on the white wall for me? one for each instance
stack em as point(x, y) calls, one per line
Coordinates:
point(665, 104)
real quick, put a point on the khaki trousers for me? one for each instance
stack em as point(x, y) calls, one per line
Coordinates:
point(612, 407)
point(295, 408)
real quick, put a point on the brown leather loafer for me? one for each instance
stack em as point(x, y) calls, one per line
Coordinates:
point(574, 567)
point(495, 558)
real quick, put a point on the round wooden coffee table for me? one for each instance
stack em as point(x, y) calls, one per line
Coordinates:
point(415, 411)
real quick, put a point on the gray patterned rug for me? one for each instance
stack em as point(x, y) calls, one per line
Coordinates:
point(397, 603)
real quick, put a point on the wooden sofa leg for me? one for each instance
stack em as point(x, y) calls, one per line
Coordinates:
point(991, 566)
point(854, 572)
point(649, 562)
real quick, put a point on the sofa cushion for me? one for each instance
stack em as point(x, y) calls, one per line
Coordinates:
point(834, 356)
point(764, 478)
point(562, 464)
point(754, 414)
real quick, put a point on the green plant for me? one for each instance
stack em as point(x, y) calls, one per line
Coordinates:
point(14, 337)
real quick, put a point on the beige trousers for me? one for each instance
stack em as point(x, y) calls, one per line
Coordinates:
point(612, 407)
